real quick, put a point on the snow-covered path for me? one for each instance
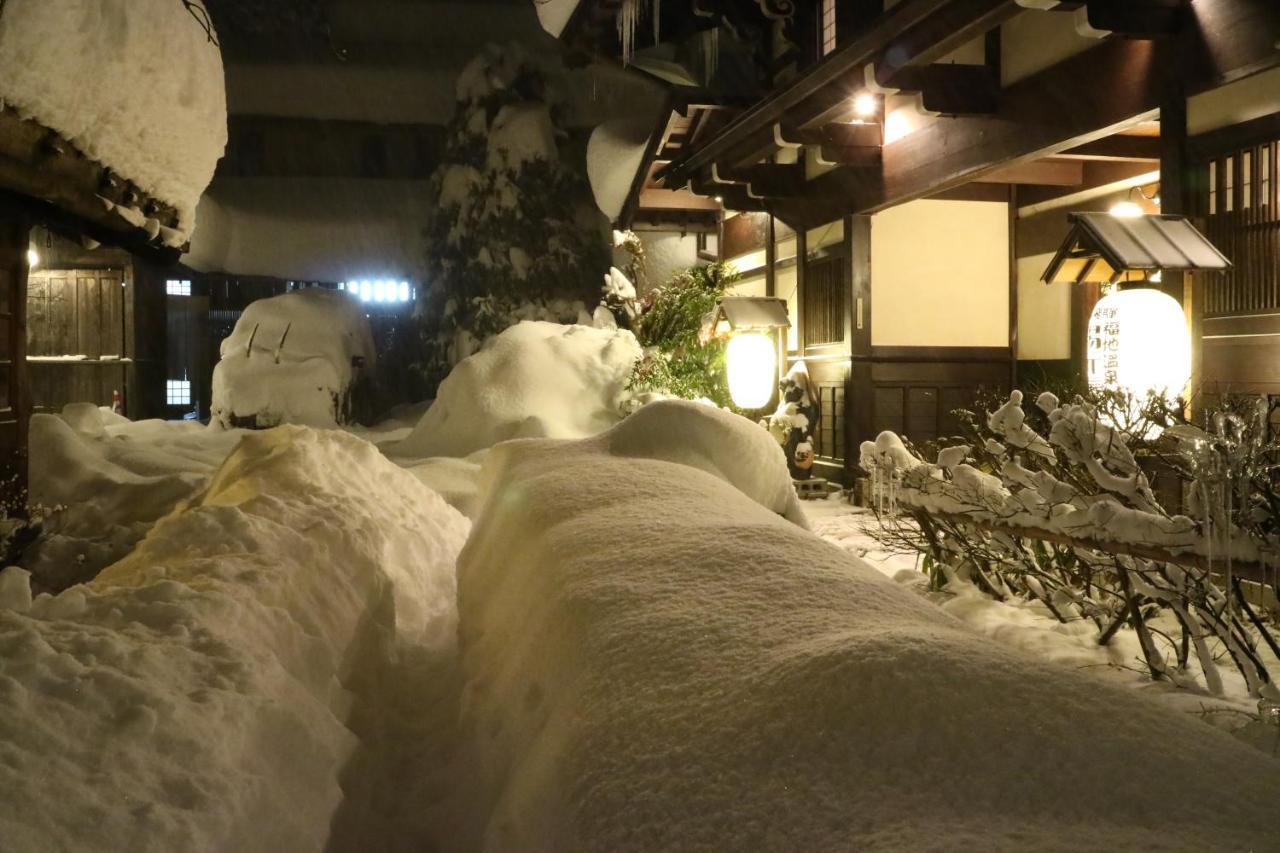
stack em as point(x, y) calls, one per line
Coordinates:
point(648, 654)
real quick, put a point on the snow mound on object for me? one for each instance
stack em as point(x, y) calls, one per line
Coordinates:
point(190, 698)
point(101, 481)
point(134, 84)
point(653, 661)
point(534, 380)
point(290, 360)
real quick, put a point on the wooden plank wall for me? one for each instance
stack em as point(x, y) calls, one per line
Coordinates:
point(13, 379)
point(77, 312)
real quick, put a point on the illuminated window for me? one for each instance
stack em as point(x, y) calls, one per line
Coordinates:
point(828, 26)
point(176, 287)
point(383, 291)
point(177, 392)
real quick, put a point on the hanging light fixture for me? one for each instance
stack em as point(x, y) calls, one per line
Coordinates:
point(753, 324)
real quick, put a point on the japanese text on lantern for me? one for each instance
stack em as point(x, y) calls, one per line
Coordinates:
point(1104, 348)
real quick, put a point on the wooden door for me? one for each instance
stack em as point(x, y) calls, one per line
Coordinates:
point(13, 385)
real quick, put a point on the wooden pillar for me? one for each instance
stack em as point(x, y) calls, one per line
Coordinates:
point(1013, 285)
point(15, 405)
point(859, 395)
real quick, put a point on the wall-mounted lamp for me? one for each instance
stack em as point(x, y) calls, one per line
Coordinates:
point(754, 325)
point(33, 258)
point(865, 105)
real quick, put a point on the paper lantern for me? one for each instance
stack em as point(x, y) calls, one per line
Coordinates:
point(753, 369)
point(1139, 343)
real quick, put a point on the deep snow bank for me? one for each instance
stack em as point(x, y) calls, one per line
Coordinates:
point(535, 380)
point(136, 85)
point(99, 481)
point(295, 359)
point(654, 661)
point(191, 698)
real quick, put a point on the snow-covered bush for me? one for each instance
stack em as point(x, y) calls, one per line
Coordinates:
point(533, 380)
point(73, 66)
point(512, 220)
point(1055, 505)
point(681, 359)
point(655, 659)
point(298, 358)
point(197, 694)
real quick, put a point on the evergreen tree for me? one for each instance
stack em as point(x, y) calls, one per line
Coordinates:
point(513, 232)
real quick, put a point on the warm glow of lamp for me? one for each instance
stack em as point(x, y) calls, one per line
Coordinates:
point(1139, 343)
point(864, 105)
point(1126, 210)
point(753, 369)
point(33, 258)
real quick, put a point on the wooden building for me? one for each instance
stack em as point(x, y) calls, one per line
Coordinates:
point(903, 171)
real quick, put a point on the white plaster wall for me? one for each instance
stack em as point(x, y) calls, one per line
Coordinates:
point(666, 253)
point(754, 285)
point(1044, 312)
point(940, 274)
point(1237, 102)
point(1035, 40)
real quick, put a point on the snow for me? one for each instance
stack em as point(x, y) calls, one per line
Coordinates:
point(293, 359)
point(554, 15)
point(136, 85)
point(521, 134)
point(653, 659)
point(100, 481)
point(196, 695)
point(614, 155)
point(533, 380)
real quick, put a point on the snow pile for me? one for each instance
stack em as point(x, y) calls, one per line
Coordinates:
point(192, 697)
point(533, 380)
point(136, 85)
point(99, 481)
point(654, 661)
point(294, 358)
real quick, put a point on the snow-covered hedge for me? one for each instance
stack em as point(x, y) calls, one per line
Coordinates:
point(656, 660)
point(192, 696)
point(136, 85)
point(294, 358)
point(535, 380)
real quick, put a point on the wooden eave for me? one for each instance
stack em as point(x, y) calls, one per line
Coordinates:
point(1067, 108)
point(73, 193)
point(1102, 248)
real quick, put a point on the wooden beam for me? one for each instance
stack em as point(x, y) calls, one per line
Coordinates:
point(953, 90)
point(1048, 172)
point(1140, 148)
point(657, 138)
point(1135, 18)
point(769, 179)
point(1085, 98)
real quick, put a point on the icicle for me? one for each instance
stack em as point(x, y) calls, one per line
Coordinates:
point(628, 17)
point(657, 21)
point(710, 54)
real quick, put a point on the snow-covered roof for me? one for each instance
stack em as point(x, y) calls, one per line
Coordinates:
point(135, 85)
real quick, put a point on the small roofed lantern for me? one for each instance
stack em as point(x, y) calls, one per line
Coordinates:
point(753, 325)
point(1138, 340)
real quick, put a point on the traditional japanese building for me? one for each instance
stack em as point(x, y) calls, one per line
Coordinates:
point(903, 172)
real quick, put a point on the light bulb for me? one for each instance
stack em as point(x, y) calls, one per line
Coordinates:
point(864, 105)
point(1126, 210)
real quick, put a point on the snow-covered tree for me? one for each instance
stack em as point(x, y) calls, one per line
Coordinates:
point(513, 231)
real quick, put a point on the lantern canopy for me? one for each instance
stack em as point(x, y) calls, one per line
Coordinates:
point(1101, 248)
point(1139, 343)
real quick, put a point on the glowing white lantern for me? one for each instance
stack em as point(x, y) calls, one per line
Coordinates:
point(1139, 343)
point(753, 369)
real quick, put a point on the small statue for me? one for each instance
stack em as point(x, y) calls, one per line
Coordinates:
point(793, 422)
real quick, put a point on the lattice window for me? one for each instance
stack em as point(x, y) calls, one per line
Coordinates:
point(177, 392)
point(829, 439)
point(828, 26)
point(824, 302)
point(1242, 218)
point(176, 287)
